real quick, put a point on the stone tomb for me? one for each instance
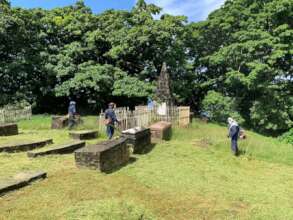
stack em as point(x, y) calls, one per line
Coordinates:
point(105, 156)
point(83, 135)
point(8, 129)
point(161, 130)
point(20, 180)
point(63, 149)
point(139, 138)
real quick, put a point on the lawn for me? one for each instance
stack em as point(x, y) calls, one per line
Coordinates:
point(193, 176)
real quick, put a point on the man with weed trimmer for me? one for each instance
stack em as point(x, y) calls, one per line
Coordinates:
point(233, 134)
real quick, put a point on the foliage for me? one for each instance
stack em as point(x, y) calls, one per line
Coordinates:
point(288, 137)
point(243, 51)
point(219, 107)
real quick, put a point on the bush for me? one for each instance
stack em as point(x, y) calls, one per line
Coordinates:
point(287, 137)
point(219, 107)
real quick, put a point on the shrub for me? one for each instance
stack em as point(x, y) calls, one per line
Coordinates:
point(219, 107)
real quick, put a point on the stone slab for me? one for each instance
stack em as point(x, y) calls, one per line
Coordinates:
point(20, 180)
point(8, 129)
point(64, 149)
point(83, 135)
point(105, 156)
point(161, 130)
point(13, 148)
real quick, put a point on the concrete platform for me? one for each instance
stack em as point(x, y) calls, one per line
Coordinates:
point(13, 148)
point(64, 149)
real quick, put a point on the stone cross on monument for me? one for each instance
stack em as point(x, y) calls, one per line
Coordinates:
point(163, 92)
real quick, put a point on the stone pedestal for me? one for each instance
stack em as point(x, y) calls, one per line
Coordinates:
point(8, 129)
point(139, 138)
point(105, 156)
point(161, 130)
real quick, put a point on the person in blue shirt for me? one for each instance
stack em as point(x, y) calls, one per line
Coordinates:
point(233, 134)
point(150, 104)
point(71, 114)
point(110, 118)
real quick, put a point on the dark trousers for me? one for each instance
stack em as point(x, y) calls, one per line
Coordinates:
point(234, 144)
point(71, 121)
point(110, 131)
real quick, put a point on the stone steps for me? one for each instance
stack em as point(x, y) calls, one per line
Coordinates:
point(64, 149)
point(19, 181)
point(13, 148)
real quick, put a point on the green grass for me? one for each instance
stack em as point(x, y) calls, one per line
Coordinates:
point(193, 176)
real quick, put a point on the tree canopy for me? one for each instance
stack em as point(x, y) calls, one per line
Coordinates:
point(243, 52)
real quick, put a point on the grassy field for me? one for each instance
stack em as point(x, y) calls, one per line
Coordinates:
point(193, 176)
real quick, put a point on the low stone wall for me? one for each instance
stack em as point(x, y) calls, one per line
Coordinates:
point(20, 180)
point(139, 138)
point(83, 135)
point(8, 129)
point(12, 148)
point(64, 149)
point(105, 156)
point(161, 130)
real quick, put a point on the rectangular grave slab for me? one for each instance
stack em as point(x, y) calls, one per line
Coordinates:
point(13, 148)
point(83, 135)
point(64, 149)
point(104, 156)
point(20, 180)
point(161, 130)
point(8, 129)
point(139, 138)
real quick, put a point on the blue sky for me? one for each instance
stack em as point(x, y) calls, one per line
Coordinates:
point(195, 10)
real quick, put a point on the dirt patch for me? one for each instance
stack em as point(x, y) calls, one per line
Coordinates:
point(203, 143)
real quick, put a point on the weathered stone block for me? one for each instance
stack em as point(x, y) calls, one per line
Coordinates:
point(139, 138)
point(8, 129)
point(83, 135)
point(12, 148)
point(104, 156)
point(161, 130)
point(20, 180)
point(59, 122)
point(64, 149)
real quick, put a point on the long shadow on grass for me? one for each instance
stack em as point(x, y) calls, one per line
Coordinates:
point(147, 149)
point(131, 161)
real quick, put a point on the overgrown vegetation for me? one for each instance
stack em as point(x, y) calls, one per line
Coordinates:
point(193, 176)
point(242, 51)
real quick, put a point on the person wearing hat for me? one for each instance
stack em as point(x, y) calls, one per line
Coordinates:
point(233, 134)
point(110, 119)
point(71, 114)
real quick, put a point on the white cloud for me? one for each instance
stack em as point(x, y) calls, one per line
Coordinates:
point(195, 10)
